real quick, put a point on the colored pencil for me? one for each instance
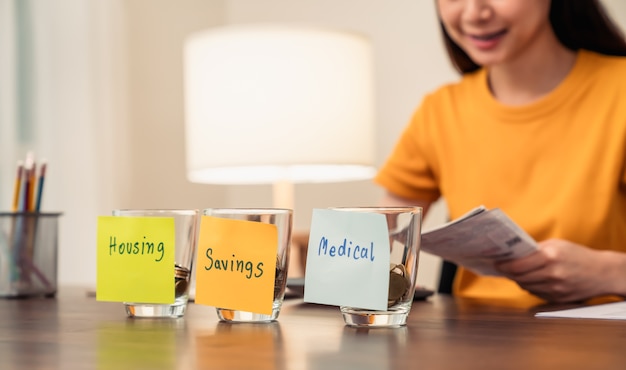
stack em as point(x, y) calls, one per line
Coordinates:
point(26, 190)
point(18, 186)
point(32, 181)
point(42, 176)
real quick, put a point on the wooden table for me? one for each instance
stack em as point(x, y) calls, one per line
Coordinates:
point(74, 331)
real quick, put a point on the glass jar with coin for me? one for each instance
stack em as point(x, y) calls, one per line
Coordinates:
point(404, 227)
point(280, 220)
point(186, 229)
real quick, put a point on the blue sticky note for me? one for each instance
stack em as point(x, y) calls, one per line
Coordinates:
point(348, 260)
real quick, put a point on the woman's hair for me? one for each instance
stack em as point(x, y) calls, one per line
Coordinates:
point(578, 24)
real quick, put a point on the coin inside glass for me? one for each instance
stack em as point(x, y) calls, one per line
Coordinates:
point(181, 280)
point(399, 284)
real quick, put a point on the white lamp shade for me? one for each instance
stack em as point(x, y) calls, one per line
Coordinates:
point(273, 103)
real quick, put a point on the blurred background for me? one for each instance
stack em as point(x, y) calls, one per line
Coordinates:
point(96, 88)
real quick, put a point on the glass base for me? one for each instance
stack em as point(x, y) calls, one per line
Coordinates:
point(244, 316)
point(395, 317)
point(177, 309)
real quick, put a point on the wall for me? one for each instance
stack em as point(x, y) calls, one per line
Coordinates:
point(67, 131)
point(617, 9)
point(154, 46)
point(108, 111)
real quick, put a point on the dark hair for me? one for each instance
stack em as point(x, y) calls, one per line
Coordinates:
point(578, 24)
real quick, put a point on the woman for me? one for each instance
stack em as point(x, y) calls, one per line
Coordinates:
point(536, 127)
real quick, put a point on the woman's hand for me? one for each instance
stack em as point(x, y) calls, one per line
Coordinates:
point(562, 271)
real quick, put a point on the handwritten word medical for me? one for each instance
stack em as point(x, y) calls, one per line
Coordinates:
point(346, 249)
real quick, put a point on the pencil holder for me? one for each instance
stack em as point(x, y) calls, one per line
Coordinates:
point(28, 254)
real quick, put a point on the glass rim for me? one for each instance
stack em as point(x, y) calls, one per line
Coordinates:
point(157, 210)
point(246, 211)
point(395, 209)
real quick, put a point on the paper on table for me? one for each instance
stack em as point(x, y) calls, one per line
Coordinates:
point(477, 239)
point(607, 311)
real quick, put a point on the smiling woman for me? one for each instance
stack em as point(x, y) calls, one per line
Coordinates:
point(535, 127)
point(561, 13)
point(497, 32)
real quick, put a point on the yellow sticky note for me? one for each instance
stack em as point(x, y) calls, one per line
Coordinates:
point(135, 259)
point(236, 264)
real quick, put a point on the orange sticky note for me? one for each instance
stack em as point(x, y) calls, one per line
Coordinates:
point(135, 259)
point(227, 341)
point(236, 264)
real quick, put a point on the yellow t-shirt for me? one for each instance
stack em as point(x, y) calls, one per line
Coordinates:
point(557, 166)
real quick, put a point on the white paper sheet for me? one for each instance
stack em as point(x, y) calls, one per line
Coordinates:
point(607, 311)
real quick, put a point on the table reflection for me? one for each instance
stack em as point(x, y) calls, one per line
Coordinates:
point(377, 345)
point(240, 346)
point(141, 343)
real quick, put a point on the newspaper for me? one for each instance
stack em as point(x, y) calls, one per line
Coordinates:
point(477, 239)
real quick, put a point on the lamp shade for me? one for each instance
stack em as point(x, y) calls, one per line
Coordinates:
point(268, 103)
